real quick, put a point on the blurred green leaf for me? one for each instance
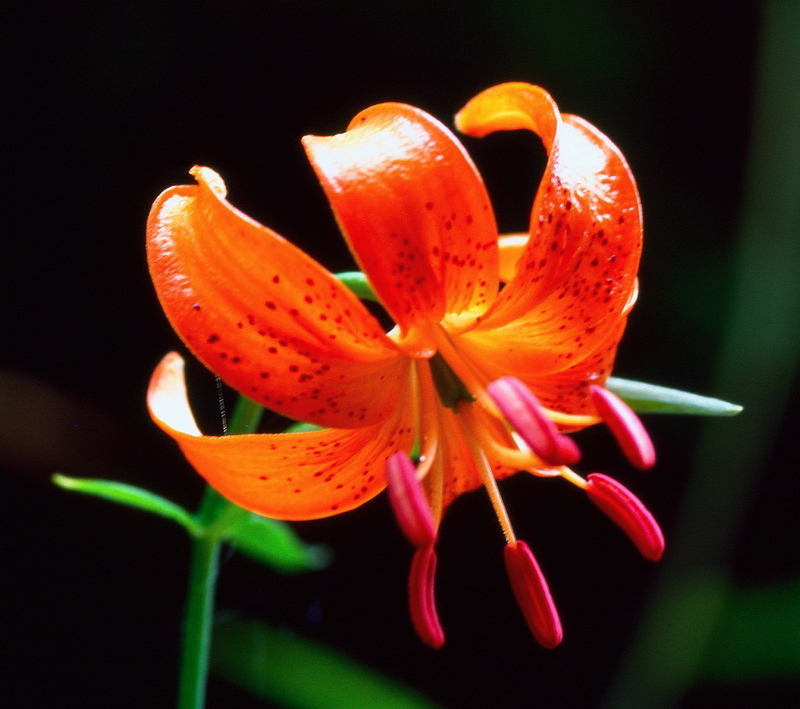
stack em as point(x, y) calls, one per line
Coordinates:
point(653, 399)
point(757, 636)
point(132, 497)
point(297, 673)
point(275, 544)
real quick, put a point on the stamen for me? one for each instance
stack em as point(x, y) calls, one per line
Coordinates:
point(429, 467)
point(427, 418)
point(533, 595)
point(527, 416)
point(485, 471)
point(573, 420)
point(628, 512)
point(408, 501)
point(626, 427)
point(506, 447)
point(422, 605)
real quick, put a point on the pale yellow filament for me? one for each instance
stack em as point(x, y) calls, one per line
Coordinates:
point(570, 476)
point(428, 423)
point(576, 420)
point(429, 468)
point(487, 477)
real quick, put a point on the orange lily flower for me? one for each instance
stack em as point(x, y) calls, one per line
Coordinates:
point(480, 380)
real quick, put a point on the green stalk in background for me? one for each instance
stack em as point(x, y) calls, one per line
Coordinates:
point(756, 367)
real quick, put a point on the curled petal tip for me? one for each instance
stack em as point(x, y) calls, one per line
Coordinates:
point(626, 427)
point(422, 604)
point(628, 512)
point(533, 595)
point(529, 419)
point(408, 501)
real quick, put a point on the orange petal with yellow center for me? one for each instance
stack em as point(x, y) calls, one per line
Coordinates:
point(565, 390)
point(264, 316)
point(414, 211)
point(576, 278)
point(291, 476)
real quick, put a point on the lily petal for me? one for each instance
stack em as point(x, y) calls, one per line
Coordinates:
point(414, 211)
point(510, 248)
point(577, 274)
point(291, 476)
point(264, 316)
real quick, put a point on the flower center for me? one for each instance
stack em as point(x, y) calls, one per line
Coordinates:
point(501, 421)
point(503, 424)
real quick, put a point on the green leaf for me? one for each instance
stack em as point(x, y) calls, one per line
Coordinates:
point(653, 399)
point(132, 497)
point(293, 672)
point(275, 544)
point(303, 427)
point(358, 283)
point(757, 636)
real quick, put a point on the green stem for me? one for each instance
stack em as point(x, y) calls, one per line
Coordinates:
point(216, 516)
point(197, 623)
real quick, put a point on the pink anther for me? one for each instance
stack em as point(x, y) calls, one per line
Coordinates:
point(410, 506)
point(421, 598)
point(626, 427)
point(529, 419)
point(533, 595)
point(628, 512)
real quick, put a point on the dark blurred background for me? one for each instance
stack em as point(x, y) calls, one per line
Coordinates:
point(106, 104)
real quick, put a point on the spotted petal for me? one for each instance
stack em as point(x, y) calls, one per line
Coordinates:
point(415, 213)
point(289, 476)
point(264, 316)
point(576, 278)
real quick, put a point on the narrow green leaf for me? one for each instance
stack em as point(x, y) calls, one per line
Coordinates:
point(131, 496)
point(653, 399)
point(358, 283)
point(275, 544)
point(297, 673)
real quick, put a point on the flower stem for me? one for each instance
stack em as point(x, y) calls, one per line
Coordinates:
point(216, 516)
point(197, 623)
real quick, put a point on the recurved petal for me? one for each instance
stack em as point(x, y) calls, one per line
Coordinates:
point(264, 316)
point(291, 476)
point(415, 213)
point(577, 274)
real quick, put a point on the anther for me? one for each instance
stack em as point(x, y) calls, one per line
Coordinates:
point(529, 419)
point(626, 427)
point(422, 605)
point(533, 595)
point(628, 512)
point(408, 501)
